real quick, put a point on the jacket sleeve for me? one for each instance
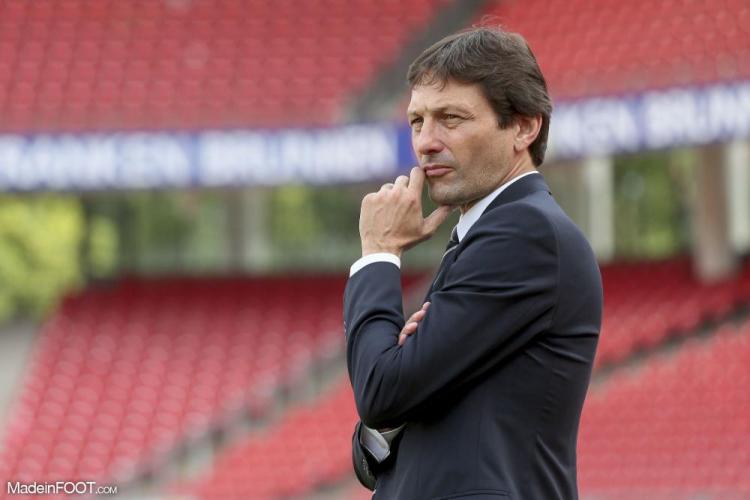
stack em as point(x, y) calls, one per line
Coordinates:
point(496, 297)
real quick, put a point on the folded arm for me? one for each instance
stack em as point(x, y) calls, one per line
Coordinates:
point(497, 296)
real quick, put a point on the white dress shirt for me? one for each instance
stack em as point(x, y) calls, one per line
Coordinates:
point(378, 443)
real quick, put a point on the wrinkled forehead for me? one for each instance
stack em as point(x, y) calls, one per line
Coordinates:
point(433, 95)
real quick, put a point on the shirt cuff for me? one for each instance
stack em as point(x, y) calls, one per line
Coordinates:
point(378, 443)
point(372, 258)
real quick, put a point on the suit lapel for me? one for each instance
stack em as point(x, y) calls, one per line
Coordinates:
point(516, 191)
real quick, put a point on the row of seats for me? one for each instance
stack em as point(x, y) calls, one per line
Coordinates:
point(134, 64)
point(308, 448)
point(121, 375)
point(612, 47)
point(647, 303)
point(679, 427)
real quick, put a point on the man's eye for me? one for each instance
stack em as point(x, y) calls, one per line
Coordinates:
point(452, 117)
point(415, 121)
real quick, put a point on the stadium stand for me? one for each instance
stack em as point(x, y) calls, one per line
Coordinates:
point(679, 427)
point(120, 375)
point(308, 448)
point(647, 303)
point(611, 47)
point(178, 64)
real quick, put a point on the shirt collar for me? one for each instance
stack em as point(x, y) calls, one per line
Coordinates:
point(472, 215)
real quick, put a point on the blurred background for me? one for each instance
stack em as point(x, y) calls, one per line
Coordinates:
point(179, 195)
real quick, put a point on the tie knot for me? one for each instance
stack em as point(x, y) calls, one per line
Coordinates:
point(454, 239)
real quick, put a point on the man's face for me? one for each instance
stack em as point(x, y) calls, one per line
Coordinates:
point(458, 142)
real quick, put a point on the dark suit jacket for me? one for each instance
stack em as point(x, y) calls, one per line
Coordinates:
point(492, 384)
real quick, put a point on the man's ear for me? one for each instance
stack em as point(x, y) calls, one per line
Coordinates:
point(527, 130)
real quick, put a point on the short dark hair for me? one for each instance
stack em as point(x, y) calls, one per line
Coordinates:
point(502, 64)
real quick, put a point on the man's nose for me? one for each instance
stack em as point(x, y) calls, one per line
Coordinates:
point(428, 142)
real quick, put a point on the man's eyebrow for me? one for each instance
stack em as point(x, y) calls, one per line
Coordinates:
point(440, 109)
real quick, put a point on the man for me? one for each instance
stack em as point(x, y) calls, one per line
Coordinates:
point(483, 397)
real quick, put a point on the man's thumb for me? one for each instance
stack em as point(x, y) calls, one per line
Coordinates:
point(433, 221)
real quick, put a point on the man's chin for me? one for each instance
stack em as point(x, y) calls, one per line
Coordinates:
point(442, 196)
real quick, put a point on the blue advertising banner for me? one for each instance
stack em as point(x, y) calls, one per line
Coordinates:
point(209, 159)
point(651, 120)
point(352, 153)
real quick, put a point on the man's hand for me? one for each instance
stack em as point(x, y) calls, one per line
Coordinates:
point(412, 323)
point(391, 220)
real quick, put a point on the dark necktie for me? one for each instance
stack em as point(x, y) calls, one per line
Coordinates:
point(452, 243)
point(445, 263)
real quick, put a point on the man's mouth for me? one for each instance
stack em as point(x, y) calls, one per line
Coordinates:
point(436, 170)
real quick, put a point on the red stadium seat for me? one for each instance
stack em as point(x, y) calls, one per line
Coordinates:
point(646, 304)
point(131, 369)
point(213, 44)
point(677, 428)
point(611, 47)
point(310, 443)
point(120, 376)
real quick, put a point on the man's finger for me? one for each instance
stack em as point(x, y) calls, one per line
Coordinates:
point(401, 181)
point(416, 180)
point(432, 222)
point(412, 323)
point(416, 316)
point(402, 338)
point(409, 328)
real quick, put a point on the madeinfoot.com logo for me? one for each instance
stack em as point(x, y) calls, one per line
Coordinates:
point(59, 488)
